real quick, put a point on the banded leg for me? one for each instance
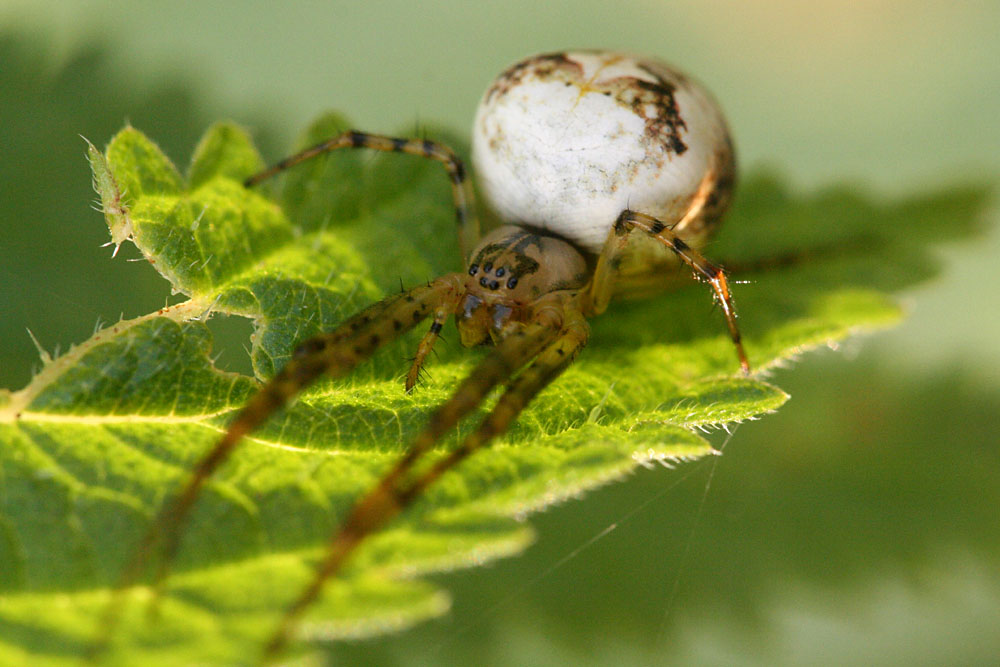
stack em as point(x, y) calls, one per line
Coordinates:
point(333, 354)
point(468, 223)
point(441, 315)
point(602, 285)
point(396, 491)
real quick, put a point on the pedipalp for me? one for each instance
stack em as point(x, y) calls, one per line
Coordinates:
point(441, 315)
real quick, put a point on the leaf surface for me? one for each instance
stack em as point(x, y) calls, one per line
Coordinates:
point(100, 437)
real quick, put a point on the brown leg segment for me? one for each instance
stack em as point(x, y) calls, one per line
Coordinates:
point(396, 492)
point(427, 342)
point(602, 285)
point(468, 223)
point(334, 354)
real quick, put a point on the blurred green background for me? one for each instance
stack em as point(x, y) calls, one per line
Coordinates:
point(860, 524)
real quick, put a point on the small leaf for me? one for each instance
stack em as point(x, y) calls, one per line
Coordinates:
point(113, 205)
point(140, 167)
point(226, 151)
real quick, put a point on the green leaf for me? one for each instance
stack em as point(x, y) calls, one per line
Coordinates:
point(93, 445)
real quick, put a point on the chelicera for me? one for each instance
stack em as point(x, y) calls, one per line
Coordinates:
point(575, 152)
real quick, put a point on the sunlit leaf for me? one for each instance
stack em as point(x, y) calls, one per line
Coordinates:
point(102, 434)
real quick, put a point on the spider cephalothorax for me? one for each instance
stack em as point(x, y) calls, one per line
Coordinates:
point(575, 151)
point(510, 271)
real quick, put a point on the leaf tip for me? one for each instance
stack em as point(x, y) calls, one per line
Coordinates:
point(116, 212)
point(227, 150)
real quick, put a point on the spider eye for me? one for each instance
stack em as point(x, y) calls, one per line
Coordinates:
point(473, 269)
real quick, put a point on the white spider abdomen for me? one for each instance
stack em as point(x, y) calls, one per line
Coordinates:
point(567, 141)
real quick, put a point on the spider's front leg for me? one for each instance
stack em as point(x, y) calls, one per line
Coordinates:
point(602, 285)
point(553, 340)
point(332, 354)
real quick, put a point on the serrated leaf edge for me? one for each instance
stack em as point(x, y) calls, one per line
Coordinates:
point(112, 199)
point(52, 369)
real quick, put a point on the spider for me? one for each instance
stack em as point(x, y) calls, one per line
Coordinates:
point(575, 152)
